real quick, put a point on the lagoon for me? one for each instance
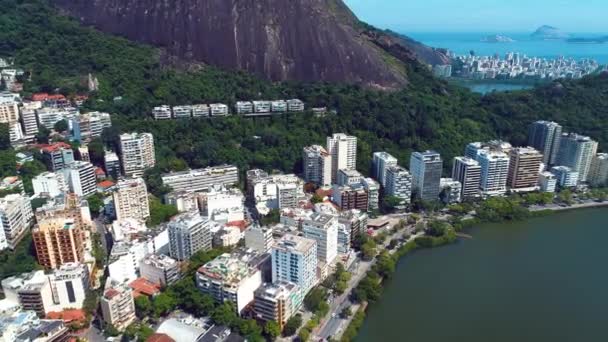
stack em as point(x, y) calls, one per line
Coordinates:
point(539, 280)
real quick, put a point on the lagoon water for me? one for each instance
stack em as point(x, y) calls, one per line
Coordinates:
point(541, 280)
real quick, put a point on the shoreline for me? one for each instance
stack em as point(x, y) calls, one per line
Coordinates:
point(459, 235)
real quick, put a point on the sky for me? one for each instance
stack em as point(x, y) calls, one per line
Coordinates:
point(493, 16)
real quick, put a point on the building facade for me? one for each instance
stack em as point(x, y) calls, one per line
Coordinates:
point(160, 269)
point(188, 234)
point(323, 229)
point(58, 241)
point(598, 173)
point(294, 259)
point(137, 153)
point(277, 302)
point(577, 152)
point(545, 137)
point(117, 305)
point(131, 199)
point(426, 168)
point(81, 179)
point(343, 151)
point(494, 172)
point(16, 217)
point(524, 169)
point(468, 172)
point(317, 165)
point(202, 179)
point(398, 183)
point(380, 163)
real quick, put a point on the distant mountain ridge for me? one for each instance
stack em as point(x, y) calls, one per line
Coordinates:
point(302, 40)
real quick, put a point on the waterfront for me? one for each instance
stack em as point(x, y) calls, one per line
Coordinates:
point(537, 280)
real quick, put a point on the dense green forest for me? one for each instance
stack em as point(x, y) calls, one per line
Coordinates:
point(429, 113)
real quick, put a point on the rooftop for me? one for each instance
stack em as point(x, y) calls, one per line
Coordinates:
point(293, 243)
point(142, 286)
point(229, 268)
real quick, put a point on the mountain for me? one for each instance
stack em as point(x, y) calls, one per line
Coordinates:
point(547, 32)
point(304, 40)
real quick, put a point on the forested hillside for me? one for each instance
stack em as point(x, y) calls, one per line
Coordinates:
point(429, 113)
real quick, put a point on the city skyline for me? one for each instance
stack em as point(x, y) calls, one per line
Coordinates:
point(477, 16)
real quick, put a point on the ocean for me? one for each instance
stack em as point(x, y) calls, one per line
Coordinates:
point(462, 43)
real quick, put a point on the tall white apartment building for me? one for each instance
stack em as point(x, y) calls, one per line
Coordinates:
point(426, 168)
point(9, 114)
point(343, 151)
point(323, 229)
point(598, 173)
point(547, 182)
point(202, 179)
point(162, 112)
point(494, 172)
point(188, 234)
point(317, 165)
point(16, 217)
point(223, 205)
point(566, 176)
point(81, 178)
point(398, 183)
point(29, 121)
point(545, 137)
point(380, 163)
point(259, 238)
point(373, 193)
point(117, 305)
point(131, 199)
point(450, 191)
point(48, 117)
point(49, 184)
point(294, 259)
point(228, 278)
point(468, 172)
point(577, 152)
point(111, 164)
point(137, 153)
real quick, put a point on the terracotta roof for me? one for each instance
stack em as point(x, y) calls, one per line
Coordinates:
point(142, 286)
point(68, 315)
point(105, 184)
point(160, 338)
point(242, 225)
point(54, 147)
point(111, 293)
point(99, 171)
point(40, 96)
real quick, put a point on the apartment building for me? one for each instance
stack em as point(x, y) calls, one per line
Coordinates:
point(494, 172)
point(16, 217)
point(131, 199)
point(294, 259)
point(317, 165)
point(117, 305)
point(160, 269)
point(398, 183)
point(202, 179)
point(137, 153)
point(81, 178)
point(545, 137)
point(381, 161)
point(577, 152)
point(49, 184)
point(188, 234)
point(343, 151)
point(468, 172)
point(323, 229)
point(162, 112)
point(524, 169)
point(58, 240)
point(426, 168)
point(277, 302)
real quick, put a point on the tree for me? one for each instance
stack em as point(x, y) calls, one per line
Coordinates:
point(61, 126)
point(163, 304)
point(28, 171)
point(390, 203)
point(43, 135)
point(143, 306)
point(95, 204)
point(346, 312)
point(273, 217)
point(159, 212)
point(224, 314)
point(292, 325)
point(272, 330)
point(314, 298)
point(304, 334)
point(5, 141)
point(369, 249)
point(316, 199)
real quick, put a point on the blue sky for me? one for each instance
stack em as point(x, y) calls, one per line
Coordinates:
point(483, 15)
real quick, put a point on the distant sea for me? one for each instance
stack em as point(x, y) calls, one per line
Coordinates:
point(462, 43)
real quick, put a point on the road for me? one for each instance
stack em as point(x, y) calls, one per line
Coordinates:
point(336, 324)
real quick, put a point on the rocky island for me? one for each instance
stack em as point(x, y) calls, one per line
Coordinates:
point(547, 32)
point(497, 38)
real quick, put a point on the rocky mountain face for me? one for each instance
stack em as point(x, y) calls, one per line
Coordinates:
point(547, 32)
point(303, 40)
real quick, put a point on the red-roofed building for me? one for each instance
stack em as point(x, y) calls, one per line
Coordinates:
point(69, 316)
point(160, 338)
point(105, 185)
point(142, 286)
point(40, 96)
point(56, 100)
point(100, 173)
point(242, 225)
